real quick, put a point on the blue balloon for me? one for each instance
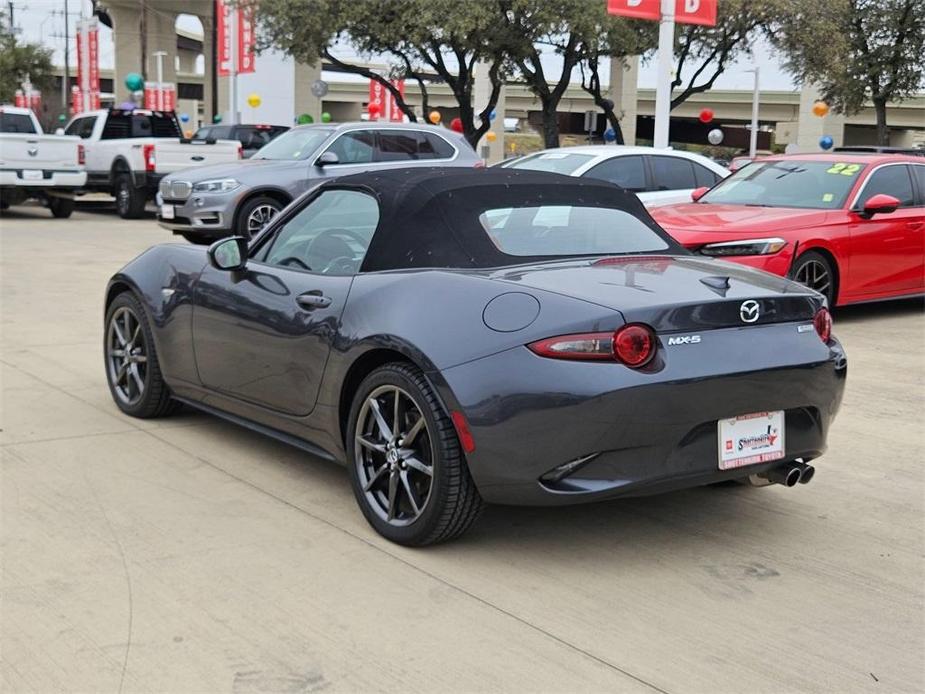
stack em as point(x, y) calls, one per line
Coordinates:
point(610, 135)
point(826, 142)
point(491, 116)
point(127, 105)
point(184, 117)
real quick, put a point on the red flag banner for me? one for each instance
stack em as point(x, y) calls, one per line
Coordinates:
point(636, 9)
point(246, 39)
point(223, 30)
point(695, 12)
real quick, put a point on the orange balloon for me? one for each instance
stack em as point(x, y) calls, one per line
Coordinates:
point(820, 108)
point(491, 136)
point(434, 117)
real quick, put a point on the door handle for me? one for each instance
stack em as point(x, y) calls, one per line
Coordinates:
point(914, 225)
point(313, 299)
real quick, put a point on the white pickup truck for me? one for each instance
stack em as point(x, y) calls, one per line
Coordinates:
point(34, 165)
point(130, 151)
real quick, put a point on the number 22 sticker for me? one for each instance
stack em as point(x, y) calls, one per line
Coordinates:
point(844, 169)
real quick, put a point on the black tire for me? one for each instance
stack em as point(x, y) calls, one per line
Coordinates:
point(61, 208)
point(197, 239)
point(247, 227)
point(154, 399)
point(130, 201)
point(816, 272)
point(453, 502)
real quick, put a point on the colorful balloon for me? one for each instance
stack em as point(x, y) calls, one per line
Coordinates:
point(254, 100)
point(305, 119)
point(491, 116)
point(189, 134)
point(456, 125)
point(491, 136)
point(715, 136)
point(134, 81)
point(184, 117)
point(217, 118)
point(610, 135)
point(434, 117)
point(820, 109)
point(373, 109)
point(325, 117)
point(826, 142)
point(127, 105)
point(706, 115)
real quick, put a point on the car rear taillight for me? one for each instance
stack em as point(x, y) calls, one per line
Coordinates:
point(633, 345)
point(822, 321)
point(150, 158)
point(240, 151)
point(81, 155)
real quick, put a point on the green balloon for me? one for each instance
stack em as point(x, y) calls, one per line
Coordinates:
point(217, 118)
point(325, 117)
point(134, 81)
point(62, 118)
point(304, 119)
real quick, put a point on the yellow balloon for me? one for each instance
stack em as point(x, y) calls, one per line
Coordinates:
point(491, 136)
point(820, 108)
point(434, 117)
point(253, 100)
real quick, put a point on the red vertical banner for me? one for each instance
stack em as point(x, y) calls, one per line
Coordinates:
point(376, 97)
point(151, 95)
point(76, 100)
point(395, 113)
point(636, 9)
point(93, 54)
point(81, 68)
point(695, 12)
point(20, 100)
point(169, 96)
point(223, 39)
point(246, 38)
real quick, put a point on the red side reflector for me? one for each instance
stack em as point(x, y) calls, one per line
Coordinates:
point(462, 431)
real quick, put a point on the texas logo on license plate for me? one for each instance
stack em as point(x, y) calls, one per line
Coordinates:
point(750, 438)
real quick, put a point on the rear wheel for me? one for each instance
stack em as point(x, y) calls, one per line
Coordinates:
point(130, 201)
point(61, 208)
point(132, 369)
point(255, 214)
point(815, 271)
point(407, 470)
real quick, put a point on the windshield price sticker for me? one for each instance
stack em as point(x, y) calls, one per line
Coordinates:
point(844, 169)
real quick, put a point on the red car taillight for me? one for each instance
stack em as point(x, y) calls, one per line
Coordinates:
point(81, 155)
point(822, 321)
point(147, 151)
point(633, 345)
point(240, 151)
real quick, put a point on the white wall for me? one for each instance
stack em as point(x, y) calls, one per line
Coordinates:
point(273, 81)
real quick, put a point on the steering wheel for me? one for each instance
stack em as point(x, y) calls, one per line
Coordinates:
point(356, 236)
point(332, 244)
point(292, 260)
point(344, 264)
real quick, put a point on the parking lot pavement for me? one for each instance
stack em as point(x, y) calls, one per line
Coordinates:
point(190, 555)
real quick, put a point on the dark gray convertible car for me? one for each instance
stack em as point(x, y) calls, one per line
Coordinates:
point(467, 336)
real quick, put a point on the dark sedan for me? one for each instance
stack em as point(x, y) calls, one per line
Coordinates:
point(462, 336)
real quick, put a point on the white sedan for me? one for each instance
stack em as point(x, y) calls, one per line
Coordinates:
point(657, 176)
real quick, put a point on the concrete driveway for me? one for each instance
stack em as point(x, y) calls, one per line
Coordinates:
point(187, 555)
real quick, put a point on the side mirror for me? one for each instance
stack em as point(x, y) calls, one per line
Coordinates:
point(327, 159)
point(229, 254)
point(698, 193)
point(881, 203)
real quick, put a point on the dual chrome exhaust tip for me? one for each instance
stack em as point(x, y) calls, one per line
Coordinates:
point(788, 474)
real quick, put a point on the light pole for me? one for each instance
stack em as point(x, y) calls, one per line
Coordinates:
point(665, 62)
point(753, 136)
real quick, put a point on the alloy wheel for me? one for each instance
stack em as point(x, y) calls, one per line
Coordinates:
point(259, 217)
point(394, 455)
point(126, 356)
point(815, 275)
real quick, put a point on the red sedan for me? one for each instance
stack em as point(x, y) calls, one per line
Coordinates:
point(851, 226)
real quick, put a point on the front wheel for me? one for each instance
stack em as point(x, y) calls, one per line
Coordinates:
point(132, 368)
point(407, 469)
point(814, 270)
point(61, 208)
point(255, 214)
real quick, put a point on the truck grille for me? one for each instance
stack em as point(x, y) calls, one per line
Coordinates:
point(175, 190)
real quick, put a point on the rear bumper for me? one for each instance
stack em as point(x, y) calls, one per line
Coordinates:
point(64, 180)
point(648, 432)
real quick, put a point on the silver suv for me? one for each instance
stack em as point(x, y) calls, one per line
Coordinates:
point(209, 202)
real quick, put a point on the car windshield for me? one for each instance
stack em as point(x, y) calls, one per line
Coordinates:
point(561, 230)
point(295, 144)
point(821, 185)
point(554, 162)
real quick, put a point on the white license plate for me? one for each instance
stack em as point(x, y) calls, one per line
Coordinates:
point(750, 438)
point(167, 212)
point(32, 175)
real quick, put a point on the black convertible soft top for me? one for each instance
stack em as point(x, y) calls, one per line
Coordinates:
point(429, 217)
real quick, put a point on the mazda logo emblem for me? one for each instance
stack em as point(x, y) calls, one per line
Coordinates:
point(749, 311)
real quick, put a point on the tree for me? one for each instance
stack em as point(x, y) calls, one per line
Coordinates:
point(702, 53)
point(19, 61)
point(856, 50)
point(424, 40)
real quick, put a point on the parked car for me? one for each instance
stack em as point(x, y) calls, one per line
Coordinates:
point(879, 149)
point(460, 336)
point(851, 226)
point(35, 165)
point(657, 176)
point(215, 201)
point(129, 151)
point(252, 137)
